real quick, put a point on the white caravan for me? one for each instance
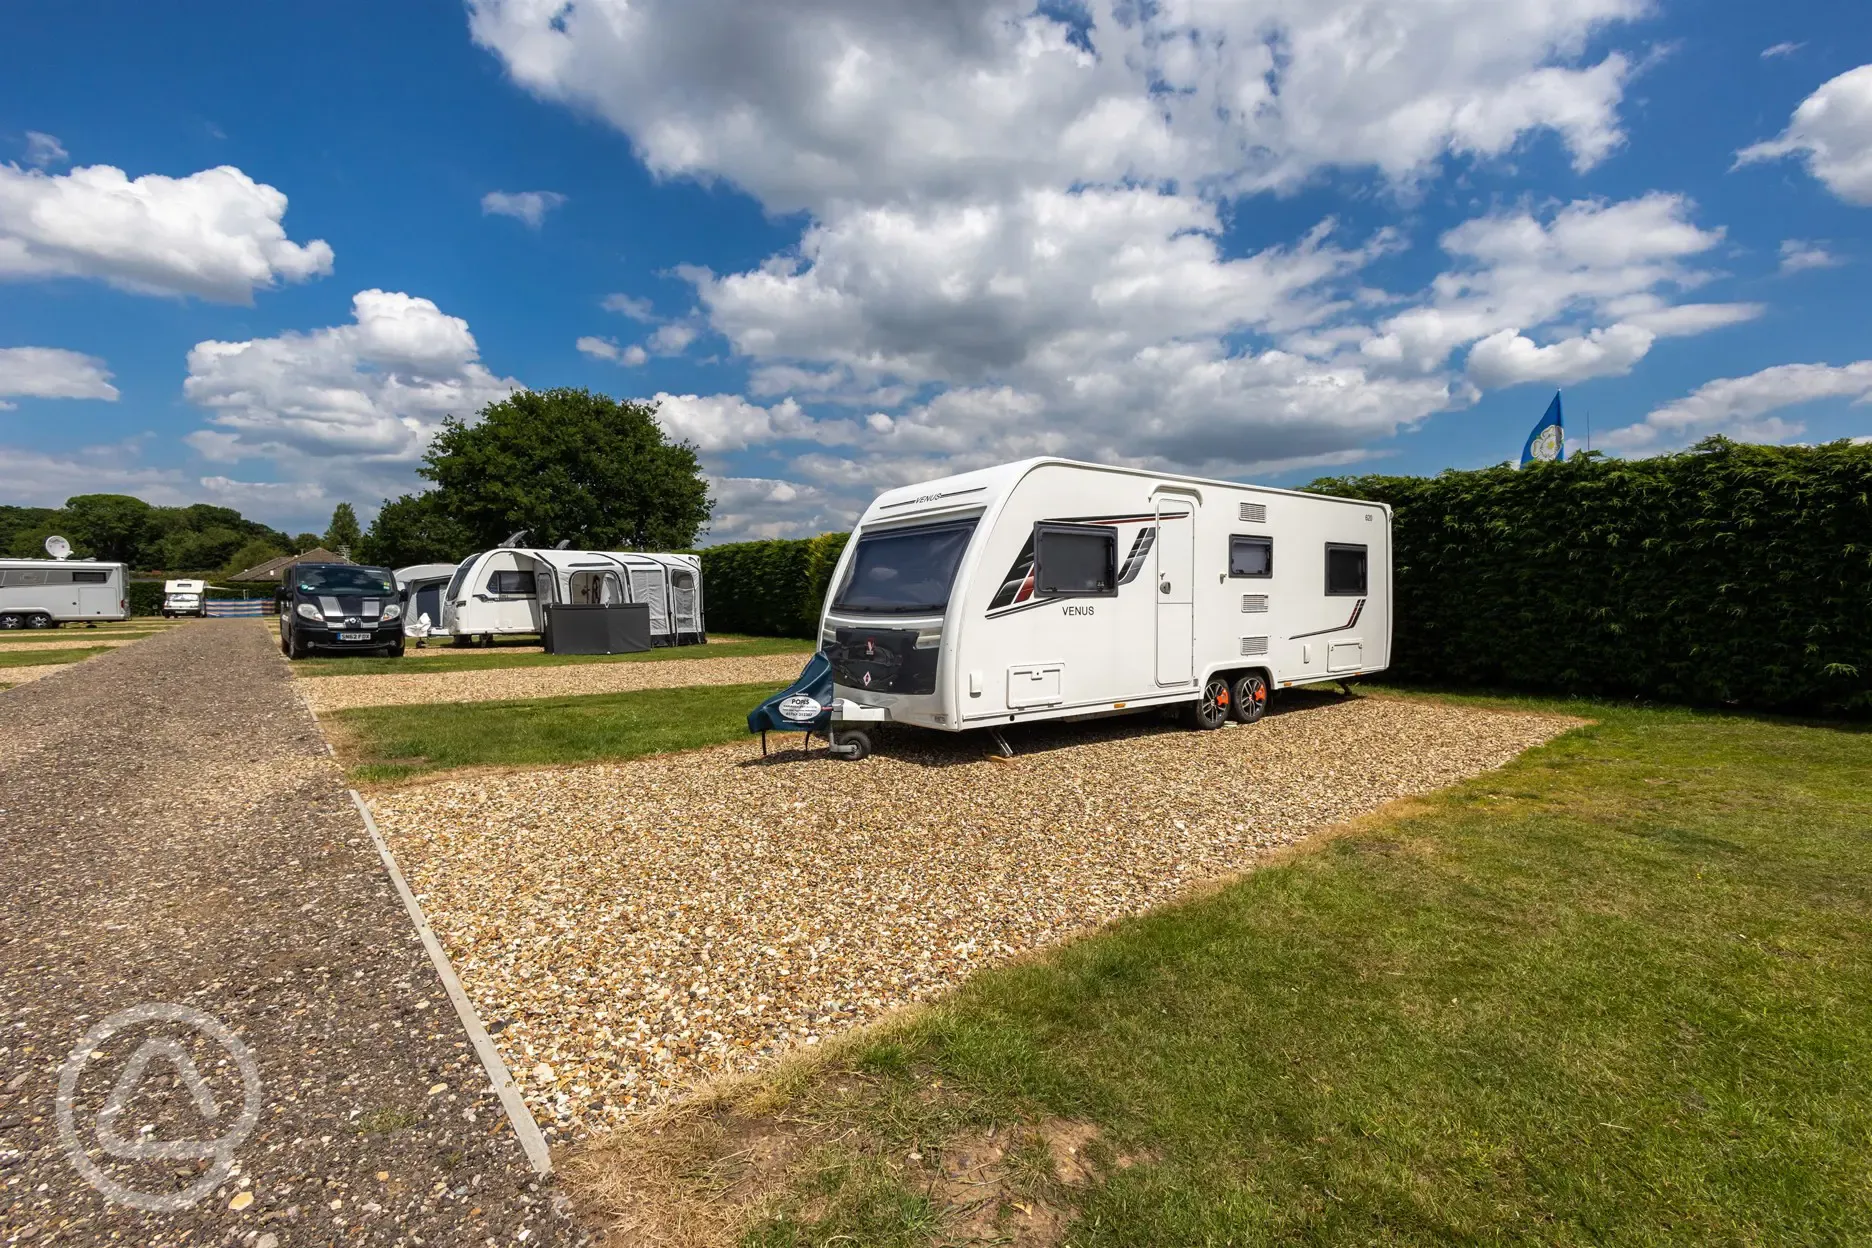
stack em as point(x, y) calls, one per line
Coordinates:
point(421, 587)
point(184, 596)
point(502, 592)
point(44, 593)
point(1048, 589)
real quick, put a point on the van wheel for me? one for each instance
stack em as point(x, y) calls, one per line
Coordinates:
point(1249, 698)
point(295, 649)
point(12, 619)
point(1212, 709)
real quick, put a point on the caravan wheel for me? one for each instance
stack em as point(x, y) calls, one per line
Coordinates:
point(1250, 698)
point(12, 619)
point(40, 621)
point(1212, 709)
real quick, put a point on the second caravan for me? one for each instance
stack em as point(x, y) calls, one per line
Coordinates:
point(504, 591)
point(1050, 589)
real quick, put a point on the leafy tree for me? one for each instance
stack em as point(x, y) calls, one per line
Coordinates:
point(343, 535)
point(20, 523)
point(569, 465)
point(304, 542)
point(254, 553)
point(191, 550)
point(109, 526)
point(416, 528)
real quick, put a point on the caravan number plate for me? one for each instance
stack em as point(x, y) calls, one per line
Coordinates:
point(353, 636)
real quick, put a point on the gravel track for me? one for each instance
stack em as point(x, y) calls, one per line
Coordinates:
point(501, 684)
point(69, 643)
point(173, 829)
point(641, 926)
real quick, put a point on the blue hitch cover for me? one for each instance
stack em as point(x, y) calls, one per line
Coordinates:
point(803, 706)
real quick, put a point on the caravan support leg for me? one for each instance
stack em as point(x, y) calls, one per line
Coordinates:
point(1001, 746)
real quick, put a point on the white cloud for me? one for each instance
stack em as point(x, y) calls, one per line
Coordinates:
point(811, 104)
point(1798, 255)
point(371, 392)
point(1832, 132)
point(1781, 49)
point(1610, 263)
point(1508, 358)
point(51, 373)
point(44, 149)
point(753, 508)
point(215, 234)
point(632, 306)
point(728, 422)
point(1743, 407)
point(528, 206)
point(605, 349)
point(673, 338)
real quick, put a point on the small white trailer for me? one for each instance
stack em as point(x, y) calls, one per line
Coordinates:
point(45, 593)
point(503, 592)
point(1049, 589)
point(184, 596)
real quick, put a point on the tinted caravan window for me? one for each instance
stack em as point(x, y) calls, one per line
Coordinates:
point(904, 571)
point(1251, 556)
point(511, 581)
point(1345, 570)
point(1075, 560)
point(91, 578)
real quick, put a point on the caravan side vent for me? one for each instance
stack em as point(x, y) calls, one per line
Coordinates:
point(1254, 604)
point(1254, 645)
point(1254, 513)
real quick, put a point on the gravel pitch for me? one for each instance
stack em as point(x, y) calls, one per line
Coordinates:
point(173, 830)
point(68, 643)
point(639, 927)
point(501, 684)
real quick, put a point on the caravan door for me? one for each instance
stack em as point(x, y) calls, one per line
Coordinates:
point(1176, 590)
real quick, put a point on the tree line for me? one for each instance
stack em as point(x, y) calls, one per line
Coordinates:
point(562, 465)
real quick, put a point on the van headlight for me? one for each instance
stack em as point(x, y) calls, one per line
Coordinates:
point(308, 611)
point(391, 612)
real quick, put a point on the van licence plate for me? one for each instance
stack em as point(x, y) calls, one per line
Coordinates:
point(353, 636)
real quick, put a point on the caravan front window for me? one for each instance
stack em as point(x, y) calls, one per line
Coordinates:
point(904, 571)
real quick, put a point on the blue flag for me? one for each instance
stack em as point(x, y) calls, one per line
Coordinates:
point(1548, 441)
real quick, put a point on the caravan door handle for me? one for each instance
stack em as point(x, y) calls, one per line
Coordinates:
point(1164, 588)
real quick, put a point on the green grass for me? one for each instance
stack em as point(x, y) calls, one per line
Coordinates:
point(386, 743)
point(1618, 992)
point(470, 659)
point(43, 658)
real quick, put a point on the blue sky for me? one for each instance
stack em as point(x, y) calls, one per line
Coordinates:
point(852, 243)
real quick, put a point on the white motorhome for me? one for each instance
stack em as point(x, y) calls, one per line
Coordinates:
point(184, 597)
point(502, 592)
point(1049, 589)
point(44, 593)
point(421, 587)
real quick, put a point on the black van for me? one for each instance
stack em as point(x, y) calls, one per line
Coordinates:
point(339, 606)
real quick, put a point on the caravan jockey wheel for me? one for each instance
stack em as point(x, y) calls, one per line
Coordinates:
point(1212, 709)
point(1250, 698)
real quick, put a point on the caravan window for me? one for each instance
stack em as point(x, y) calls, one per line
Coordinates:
point(1345, 570)
point(455, 582)
point(1251, 556)
point(511, 581)
point(904, 571)
point(1075, 560)
point(90, 578)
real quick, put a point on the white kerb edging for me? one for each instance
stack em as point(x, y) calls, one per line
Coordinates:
point(517, 1112)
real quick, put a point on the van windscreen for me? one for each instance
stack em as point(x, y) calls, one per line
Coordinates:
point(345, 580)
point(904, 571)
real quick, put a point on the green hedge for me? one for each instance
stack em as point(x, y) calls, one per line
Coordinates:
point(1727, 575)
point(769, 589)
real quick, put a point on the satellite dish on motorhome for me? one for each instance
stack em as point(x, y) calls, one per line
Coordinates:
point(58, 547)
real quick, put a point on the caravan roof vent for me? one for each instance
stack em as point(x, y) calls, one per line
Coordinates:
point(1254, 645)
point(1254, 604)
point(1254, 513)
